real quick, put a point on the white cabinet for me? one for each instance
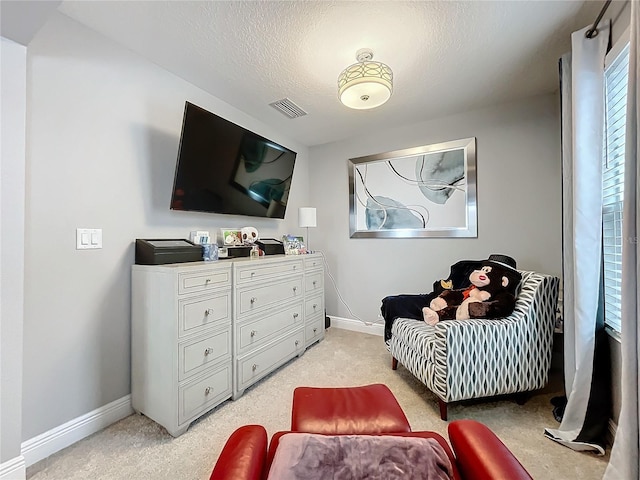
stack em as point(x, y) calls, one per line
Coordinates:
point(314, 313)
point(203, 332)
point(181, 346)
point(269, 316)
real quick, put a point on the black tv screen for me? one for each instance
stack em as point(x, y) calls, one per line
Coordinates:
point(225, 168)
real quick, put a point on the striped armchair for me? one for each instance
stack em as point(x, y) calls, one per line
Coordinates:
point(465, 359)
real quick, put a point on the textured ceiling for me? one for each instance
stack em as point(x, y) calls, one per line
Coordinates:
point(447, 57)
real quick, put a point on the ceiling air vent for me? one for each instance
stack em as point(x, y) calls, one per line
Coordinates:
point(288, 108)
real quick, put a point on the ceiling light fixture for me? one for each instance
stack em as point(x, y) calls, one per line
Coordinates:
point(366, 84)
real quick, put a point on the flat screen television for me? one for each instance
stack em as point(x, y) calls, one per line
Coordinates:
point(225, 168)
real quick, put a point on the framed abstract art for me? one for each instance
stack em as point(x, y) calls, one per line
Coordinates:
point(427, 191)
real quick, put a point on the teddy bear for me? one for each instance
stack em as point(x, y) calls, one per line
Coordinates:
point(490, 295)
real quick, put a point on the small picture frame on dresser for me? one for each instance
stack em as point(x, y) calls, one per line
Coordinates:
point(231, 236)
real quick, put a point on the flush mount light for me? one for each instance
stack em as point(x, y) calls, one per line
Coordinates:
point(366, 84)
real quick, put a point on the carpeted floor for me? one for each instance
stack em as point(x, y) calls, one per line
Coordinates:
point(137, 448)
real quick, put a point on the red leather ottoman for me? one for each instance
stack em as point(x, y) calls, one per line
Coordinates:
point(367, 410)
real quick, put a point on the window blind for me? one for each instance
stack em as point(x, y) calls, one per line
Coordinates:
point(616, 80)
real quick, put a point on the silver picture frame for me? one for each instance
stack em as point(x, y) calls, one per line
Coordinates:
point(426, 191)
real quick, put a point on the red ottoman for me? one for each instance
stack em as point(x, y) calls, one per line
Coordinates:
point(368, 410)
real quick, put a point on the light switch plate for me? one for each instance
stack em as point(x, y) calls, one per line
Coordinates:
point(88, 238)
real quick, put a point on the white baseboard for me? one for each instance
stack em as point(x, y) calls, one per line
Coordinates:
point(357, 325)
point(56, 439)
point(14, 469)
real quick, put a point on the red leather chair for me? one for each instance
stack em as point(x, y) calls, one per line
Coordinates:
point(476, 453)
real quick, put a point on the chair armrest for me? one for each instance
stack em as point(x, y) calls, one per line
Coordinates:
point(480, 455)
point(243, 456)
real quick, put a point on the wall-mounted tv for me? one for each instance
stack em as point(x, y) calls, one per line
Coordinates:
point(224, 168)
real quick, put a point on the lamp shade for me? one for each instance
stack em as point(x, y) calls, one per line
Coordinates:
point(306, 217)
point(366, 84)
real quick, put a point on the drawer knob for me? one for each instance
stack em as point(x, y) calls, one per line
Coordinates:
point(295, 315)
point(315, 305)
point(254, 333)
point(315, 330)
point(295, 289)
point(297, 342)
point(295, 266)
point(314, 283)
point(253, 300)
point(208, 280)
point(253, 273)
point(254, 367)
point(208, 390)
point(208, 351)
point(208, 311)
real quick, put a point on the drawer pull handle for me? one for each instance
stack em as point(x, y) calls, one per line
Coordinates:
point(253, 300)
point(208, 311)
point(208, 351)
point(254, 333)
point(295, 315)
point(208, 390)
point(254, 367)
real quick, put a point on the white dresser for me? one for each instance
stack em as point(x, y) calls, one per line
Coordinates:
point(180, 341)
point(269, 316)
point(314, 313)
point(203, 332)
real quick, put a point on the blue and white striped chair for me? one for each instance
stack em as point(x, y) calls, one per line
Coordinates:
point(467, 359)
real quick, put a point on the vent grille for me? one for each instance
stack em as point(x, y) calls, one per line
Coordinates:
point(288, 108)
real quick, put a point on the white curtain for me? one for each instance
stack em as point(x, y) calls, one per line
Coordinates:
point(624, 463)
point(582, 132)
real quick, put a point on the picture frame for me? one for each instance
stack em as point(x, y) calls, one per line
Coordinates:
point(426, 191)
point(231, 236)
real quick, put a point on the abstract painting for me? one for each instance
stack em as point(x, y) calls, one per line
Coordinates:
point(427, 191)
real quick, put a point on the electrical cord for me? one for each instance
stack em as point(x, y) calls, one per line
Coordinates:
point(335, 286)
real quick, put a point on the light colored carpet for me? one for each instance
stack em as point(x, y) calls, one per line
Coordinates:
point(137, 448)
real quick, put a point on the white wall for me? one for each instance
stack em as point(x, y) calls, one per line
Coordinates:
point(103, 135)
point(518, 194)
point(12, 162)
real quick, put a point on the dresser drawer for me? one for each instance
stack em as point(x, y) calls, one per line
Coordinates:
point(253, 272)
point(250, 299)
point(203, 280)
point(197, 396)
point(314, 331)
point(314, 282)
point(253, 333)
point(312, 263)
point(314, 305)
point(200, 312)
point(254, 366)
point(197, 355)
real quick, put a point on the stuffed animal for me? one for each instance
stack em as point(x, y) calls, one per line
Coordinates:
point(490, 295)
point(249, 235)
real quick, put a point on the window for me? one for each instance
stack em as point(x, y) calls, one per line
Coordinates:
point(616, 80)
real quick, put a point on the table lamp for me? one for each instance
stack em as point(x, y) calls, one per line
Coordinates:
point(306, 219)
